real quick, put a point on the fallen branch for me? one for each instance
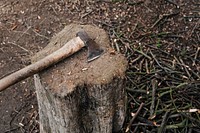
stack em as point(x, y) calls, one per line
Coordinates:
point(135, 115)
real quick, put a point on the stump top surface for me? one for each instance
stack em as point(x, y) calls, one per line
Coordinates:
point(74, 71)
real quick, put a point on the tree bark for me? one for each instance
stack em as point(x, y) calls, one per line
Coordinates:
point(79, 97)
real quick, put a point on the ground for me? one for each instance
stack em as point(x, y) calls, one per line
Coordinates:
point(160, 39)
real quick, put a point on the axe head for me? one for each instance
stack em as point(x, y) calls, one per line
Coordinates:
point(94, 50)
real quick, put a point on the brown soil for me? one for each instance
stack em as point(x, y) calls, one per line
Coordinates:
point(167, 28)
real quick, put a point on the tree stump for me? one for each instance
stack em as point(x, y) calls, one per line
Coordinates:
point(79, 97)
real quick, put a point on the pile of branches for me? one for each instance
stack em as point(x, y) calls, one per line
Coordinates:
point(163, 82)
point(163, 78)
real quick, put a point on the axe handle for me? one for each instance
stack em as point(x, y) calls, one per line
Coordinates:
point(68, 49)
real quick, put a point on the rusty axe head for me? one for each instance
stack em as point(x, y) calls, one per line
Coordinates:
point(94, 51)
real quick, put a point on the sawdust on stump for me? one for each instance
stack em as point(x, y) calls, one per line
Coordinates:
point(74, 71)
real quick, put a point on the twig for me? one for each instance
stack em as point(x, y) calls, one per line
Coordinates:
point(164, 121)
point(152, 107)
point(117, 46)
point(196, 121)
point(146, 121)
point(40, 35)
point(132, 82)
point(172, 2)
point(185, 67)
point(86, 14)
point(157, 49)
point(156, 60)
point(19, 46)
point(173, 87)
point(136, 59)
point(136, 114)
point(191, 70)
point(141, 52)
point(104, 23)
point(133, 98)
point(119, 38)
point(141, 65)
point(179, 125)
point(135, 3)
point(136, 90)
point(163, 16)
point(146, 66)
point(25, 32)
point(173, 101)
point(195, 57)
point(196, 25)
point(10, 130)
point(191, 16)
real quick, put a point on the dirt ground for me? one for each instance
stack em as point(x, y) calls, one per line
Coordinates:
point(168, 28)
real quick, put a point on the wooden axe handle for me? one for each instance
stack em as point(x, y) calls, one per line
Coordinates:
point(68, 49)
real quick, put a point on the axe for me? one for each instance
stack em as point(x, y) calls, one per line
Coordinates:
point(82, 39)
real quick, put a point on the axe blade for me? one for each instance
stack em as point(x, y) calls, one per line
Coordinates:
point(94, 50)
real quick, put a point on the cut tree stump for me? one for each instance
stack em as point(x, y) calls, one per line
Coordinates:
point(79, 97)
